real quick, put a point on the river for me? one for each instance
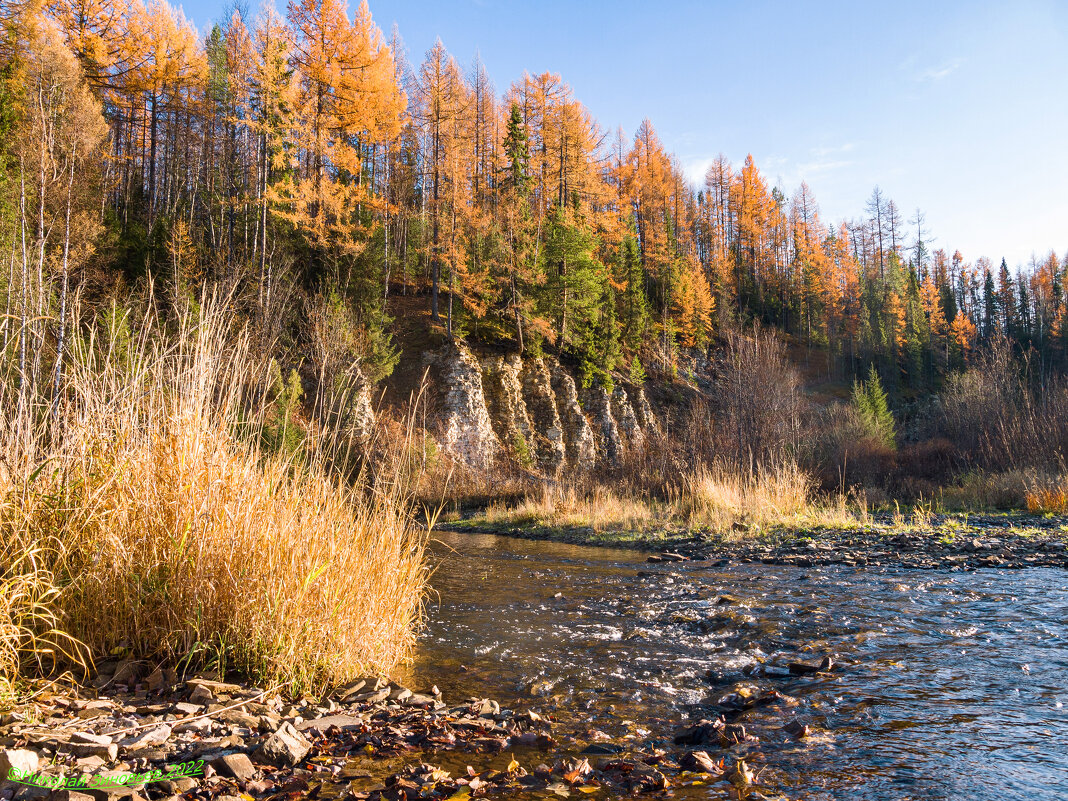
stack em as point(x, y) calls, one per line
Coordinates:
point(950, 685)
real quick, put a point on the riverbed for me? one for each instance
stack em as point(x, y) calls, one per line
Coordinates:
point(948, 684)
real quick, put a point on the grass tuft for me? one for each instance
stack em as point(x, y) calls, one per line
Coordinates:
point(158, 528)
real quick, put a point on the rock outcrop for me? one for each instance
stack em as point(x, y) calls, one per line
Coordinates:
point(531, 410)
point(627, 423)
point(467, 431)
point(598, 405)
point(503, 389)
point(643, 410)
point(579, 443)
point(550, 451)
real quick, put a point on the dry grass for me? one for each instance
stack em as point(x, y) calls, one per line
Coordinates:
point(168, 534)
point(599, 510)
point(1009, 489)
point(1052, 497)
point(30, 637)
point(777, 497)
point(713, 498)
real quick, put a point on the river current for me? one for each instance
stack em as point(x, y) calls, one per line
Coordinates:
point(949, 685)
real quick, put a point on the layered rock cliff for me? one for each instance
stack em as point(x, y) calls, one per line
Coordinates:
point(533, 411)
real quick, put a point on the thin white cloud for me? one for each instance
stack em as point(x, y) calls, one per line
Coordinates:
point(937, 73)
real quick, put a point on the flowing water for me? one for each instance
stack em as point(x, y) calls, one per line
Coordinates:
point(954, 684)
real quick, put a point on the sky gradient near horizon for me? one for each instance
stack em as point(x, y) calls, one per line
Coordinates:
point(958, 109)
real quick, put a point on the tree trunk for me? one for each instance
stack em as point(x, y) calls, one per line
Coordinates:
point(61, 337)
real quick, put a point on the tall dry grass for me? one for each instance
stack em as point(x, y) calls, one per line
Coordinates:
point(168, 534)
point(717, 498)
point(599, 509)
point(779, 496)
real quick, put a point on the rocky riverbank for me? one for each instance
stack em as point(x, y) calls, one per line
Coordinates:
point(963, 542)
point(156, 738)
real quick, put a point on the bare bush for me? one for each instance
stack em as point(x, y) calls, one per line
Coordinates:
point(760, 399)
point(999, 421)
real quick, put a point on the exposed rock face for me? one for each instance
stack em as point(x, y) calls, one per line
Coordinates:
point(503, 390)
point(532, 409)
point(550, 452)
point(598, 406)
point(467, 431)
point(643, 410)
point(579, 442)
point(630, 429)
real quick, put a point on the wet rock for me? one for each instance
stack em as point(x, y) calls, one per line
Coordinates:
point(796, 729)
point(740, 774)
point(602, 749)
point(748, 696)
point(807, 668)
point(698, 733)
point(285, 748)
point(700, 762)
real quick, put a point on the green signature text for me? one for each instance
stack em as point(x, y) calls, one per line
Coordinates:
point(107, 780)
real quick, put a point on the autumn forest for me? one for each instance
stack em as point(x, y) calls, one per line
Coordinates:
point(306, 154)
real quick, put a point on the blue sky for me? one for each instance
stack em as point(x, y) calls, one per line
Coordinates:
point(959, 109)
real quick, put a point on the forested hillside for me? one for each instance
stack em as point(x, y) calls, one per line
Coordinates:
point(305, 163)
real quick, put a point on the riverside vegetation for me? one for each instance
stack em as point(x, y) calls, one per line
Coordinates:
point(274, 298)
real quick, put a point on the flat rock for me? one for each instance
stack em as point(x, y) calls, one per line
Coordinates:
point(108, 752)
point(156, 735)
point(237, 766)
point(70, 795)
point(20, 759)
point(372, 696)
point(91, 739)
point(320, 725)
